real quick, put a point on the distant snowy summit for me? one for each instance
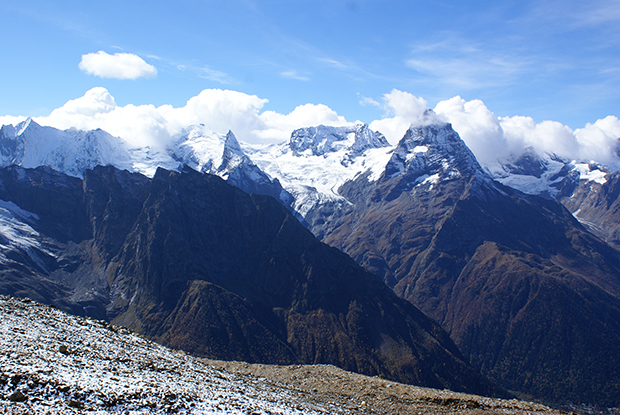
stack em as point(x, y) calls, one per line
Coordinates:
point(547, 174)
point(351, 141)
point(431, 153)
point(304, 172)
point(71, 151)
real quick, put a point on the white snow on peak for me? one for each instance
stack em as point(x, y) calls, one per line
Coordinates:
point(200, 148)
point(21, 127)
point(71, 151)
point(590, 172)
point(232, 144)
point(433, 150)
point(542, 174)
point(318, 160)
point(17, 234)
point(317, 141)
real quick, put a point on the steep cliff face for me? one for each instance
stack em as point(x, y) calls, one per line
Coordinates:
point(191, 261)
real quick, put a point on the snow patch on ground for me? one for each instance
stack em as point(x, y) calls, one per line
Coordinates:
point(51, 362)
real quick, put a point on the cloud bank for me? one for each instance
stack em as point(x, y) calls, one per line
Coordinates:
point(219, 110)
point(117, 66)
point(489, 137)
point(492, 138)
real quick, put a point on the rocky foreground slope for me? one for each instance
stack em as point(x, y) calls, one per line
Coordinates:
point(55, 363)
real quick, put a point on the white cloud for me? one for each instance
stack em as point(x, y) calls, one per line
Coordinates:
point(599, 141)
point(278, 127)
point(213, 75)
point(477, 126)
point(294, 75)
point(10, 120)
point(403, 110)
point(492, 138)
point(220, 110)
point(546, 136)
point(118, 66)
point(367, 101)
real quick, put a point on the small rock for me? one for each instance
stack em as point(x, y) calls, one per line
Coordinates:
point(63, 349)
point(75, 404)
point(63, 388)
point(18, 396)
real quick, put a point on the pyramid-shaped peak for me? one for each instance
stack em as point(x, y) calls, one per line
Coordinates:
point(231, 142)
point(432, 134)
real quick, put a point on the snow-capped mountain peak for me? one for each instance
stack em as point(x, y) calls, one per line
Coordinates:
point(232, 144)
point(431, 153)
point(317, 161)
point(318, 141)
point(72, 151)
point(546, 174)
point(23, 126)
point(199, 148)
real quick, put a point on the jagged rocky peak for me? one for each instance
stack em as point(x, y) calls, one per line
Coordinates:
point(433, 152)
point(320, 140)
point(231, 143)
point(24, 125)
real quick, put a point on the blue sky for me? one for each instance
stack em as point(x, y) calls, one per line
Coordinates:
point(547, 59)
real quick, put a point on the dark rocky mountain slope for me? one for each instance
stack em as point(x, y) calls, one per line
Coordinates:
point(197, 264)
point(528, 294)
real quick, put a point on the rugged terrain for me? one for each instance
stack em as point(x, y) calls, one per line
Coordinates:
point(55, 363)
point(197, 264)
point(529, 294)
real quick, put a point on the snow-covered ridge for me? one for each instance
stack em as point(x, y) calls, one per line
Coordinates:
point(318, 141)
point(16, 234)
point(318, 160)
point(71, 151)
point(545, 174)
point(303, 172)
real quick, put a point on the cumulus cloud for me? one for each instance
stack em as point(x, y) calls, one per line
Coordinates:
point(545, 137)
point(492, 138)
point(477, 126)
point(11, 120)
point(279, 127)
point(599, 141)
point(117, 66)
point(219, 110)
point(402, 110)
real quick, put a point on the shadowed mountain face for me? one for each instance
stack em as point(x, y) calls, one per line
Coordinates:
point(528, 295)
point(198, 264)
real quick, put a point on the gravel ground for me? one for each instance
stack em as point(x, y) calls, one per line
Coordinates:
point(353, 393)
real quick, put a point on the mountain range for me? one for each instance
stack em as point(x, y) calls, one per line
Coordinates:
point(529, 292)
point(197, 264)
